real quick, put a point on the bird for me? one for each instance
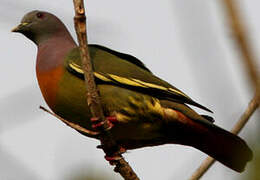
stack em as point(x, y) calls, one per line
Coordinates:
point(143, 109)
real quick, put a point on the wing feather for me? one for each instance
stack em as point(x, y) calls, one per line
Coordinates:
point(160, 90)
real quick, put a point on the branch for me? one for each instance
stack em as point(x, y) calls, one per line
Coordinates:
point(74, 126)
point(249, 62)
point(108, 144)
point(123, 168)
point(241, 37)
point(208, 162)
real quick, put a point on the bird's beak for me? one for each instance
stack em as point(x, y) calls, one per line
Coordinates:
point(20, 27)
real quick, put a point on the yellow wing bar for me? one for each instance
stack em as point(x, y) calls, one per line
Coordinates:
point(126, 81)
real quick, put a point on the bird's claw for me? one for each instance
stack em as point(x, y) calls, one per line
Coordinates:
point(97, 123)
point(112, 159)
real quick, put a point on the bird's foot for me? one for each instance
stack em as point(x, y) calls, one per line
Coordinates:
point(97, 123)
point(120, 150)
point(117, 155)
point(112, 159)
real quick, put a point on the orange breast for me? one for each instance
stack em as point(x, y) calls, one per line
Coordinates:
point(49, 84)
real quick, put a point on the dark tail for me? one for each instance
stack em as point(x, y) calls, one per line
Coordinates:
point(218, 143)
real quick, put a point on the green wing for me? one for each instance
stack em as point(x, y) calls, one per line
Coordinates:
point(122, 56)
point(110, 68)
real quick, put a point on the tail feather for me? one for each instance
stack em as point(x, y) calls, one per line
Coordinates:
point(218, 143)
point(225, 147)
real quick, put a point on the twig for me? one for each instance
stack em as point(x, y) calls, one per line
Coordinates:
point(207, 163)
point(108, 144)
point(243, 44)
point(253, 105)
point(249, 61)
point(122, 168)
point(74, 126)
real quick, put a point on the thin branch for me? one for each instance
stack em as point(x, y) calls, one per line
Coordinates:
point(253, 105)
point(240, 34)
point(108, 144)
point(74, 126)
point(208, 162)
point(203, 168)
point(249, 61)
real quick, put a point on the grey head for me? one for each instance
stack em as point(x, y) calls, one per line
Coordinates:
point(38, 26)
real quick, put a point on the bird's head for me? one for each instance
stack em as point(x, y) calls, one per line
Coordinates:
point(38, 26)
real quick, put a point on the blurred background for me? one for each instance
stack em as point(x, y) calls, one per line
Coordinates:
point(187, 43)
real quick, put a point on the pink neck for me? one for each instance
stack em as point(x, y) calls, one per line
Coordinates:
point(51, 52)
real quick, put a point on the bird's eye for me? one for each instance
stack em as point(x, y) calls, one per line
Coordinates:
point(40, 15)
